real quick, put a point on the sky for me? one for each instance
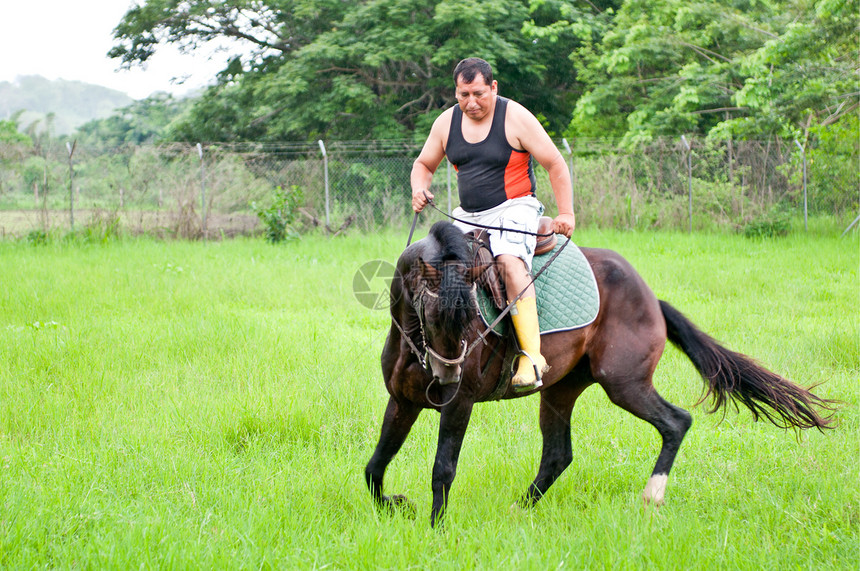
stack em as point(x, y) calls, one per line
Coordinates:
point(69, 39)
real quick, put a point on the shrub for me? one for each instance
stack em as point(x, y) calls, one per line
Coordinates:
point(280, 216)
point(37, 237)
point(775, 222)
point(102, 227)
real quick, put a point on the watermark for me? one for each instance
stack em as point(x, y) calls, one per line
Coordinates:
point(371, 284)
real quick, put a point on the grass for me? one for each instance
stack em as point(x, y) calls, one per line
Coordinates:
point(212, 405)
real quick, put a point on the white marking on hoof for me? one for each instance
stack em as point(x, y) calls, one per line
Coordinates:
point(655, 489)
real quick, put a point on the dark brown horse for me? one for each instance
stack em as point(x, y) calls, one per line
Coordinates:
point(432, 359)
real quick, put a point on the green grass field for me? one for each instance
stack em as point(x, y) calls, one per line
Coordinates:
point(213, 405)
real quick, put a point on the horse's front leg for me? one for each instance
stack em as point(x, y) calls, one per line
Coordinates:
point(452, 429)
point(396, 424)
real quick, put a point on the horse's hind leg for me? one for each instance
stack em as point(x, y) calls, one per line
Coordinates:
point(556, 406)
point(396, 424)
point(637, 395)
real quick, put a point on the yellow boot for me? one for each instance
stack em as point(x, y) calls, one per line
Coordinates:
point(526, 326)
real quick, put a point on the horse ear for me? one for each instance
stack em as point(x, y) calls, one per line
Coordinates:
point(473, 273)
point(430, 274)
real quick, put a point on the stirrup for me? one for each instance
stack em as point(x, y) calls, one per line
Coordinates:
point(538, 374)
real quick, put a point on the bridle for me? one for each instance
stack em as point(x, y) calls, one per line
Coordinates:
point(427, 347)
point(418, 304)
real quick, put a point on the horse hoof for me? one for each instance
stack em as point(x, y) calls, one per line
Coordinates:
point(655, 490)
point(516, 508)
point(651, 503)
point(401, 503)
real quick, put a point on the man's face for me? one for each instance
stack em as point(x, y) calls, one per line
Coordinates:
point(476, 99)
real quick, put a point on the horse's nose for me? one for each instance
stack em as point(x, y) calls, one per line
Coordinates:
point(452, 375)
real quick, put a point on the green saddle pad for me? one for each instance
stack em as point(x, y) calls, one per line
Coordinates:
point(567, 296)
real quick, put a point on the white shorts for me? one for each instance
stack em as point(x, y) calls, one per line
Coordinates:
point(518, 214)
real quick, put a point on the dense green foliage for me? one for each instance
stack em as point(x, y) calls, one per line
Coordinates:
point(630, 71)
point(755, 87)
point(9, 134)
point(362, 70)
point(212, 405)
point(307, 69)
point(748, 69)
point(144, 121)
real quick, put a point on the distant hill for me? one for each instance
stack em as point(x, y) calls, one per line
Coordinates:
point(73, 102)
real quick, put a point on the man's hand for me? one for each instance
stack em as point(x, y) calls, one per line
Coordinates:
point(561, 224)
point(420, 198)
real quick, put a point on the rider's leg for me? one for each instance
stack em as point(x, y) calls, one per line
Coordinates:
point(525, 320)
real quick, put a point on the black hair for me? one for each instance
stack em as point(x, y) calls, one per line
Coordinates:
point(470, 67)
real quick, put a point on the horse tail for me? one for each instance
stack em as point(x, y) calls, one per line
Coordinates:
point(731, 376)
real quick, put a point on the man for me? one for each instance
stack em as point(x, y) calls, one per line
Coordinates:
point(491, 141)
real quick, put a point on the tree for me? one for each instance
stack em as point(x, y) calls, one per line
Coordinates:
point(272, 28)
point(666, 67)
point(9, 134)
point(360, 70)
point(143, 121)
point(750, 68)
point(805, 78)
point(14, 146)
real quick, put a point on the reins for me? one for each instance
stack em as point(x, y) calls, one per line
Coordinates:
point(467, 349)
point(474, 224)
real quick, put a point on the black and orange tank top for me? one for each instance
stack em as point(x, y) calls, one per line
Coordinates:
point(491, 171)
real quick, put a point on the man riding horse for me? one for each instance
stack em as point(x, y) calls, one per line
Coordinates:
point(491, 141)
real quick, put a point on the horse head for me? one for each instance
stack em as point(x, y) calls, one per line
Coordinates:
point(445, 301)
point(446, 304)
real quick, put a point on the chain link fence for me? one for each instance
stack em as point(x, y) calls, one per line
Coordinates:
point(212, 190)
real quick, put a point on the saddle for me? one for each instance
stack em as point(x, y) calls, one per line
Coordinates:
point(567, 295)
point(491, 280)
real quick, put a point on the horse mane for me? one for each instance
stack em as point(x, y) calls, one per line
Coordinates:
point(453, 246)
point(456, 305)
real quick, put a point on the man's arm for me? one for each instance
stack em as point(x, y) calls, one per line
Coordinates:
point(428, 161)
point(531, 136)
point(562, 188)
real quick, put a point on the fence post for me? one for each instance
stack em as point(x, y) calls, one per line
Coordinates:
point(325, 168)
point(803, 153)
point(71, 149)
point(689, 177)
point(570, 159)
point(202, 186)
